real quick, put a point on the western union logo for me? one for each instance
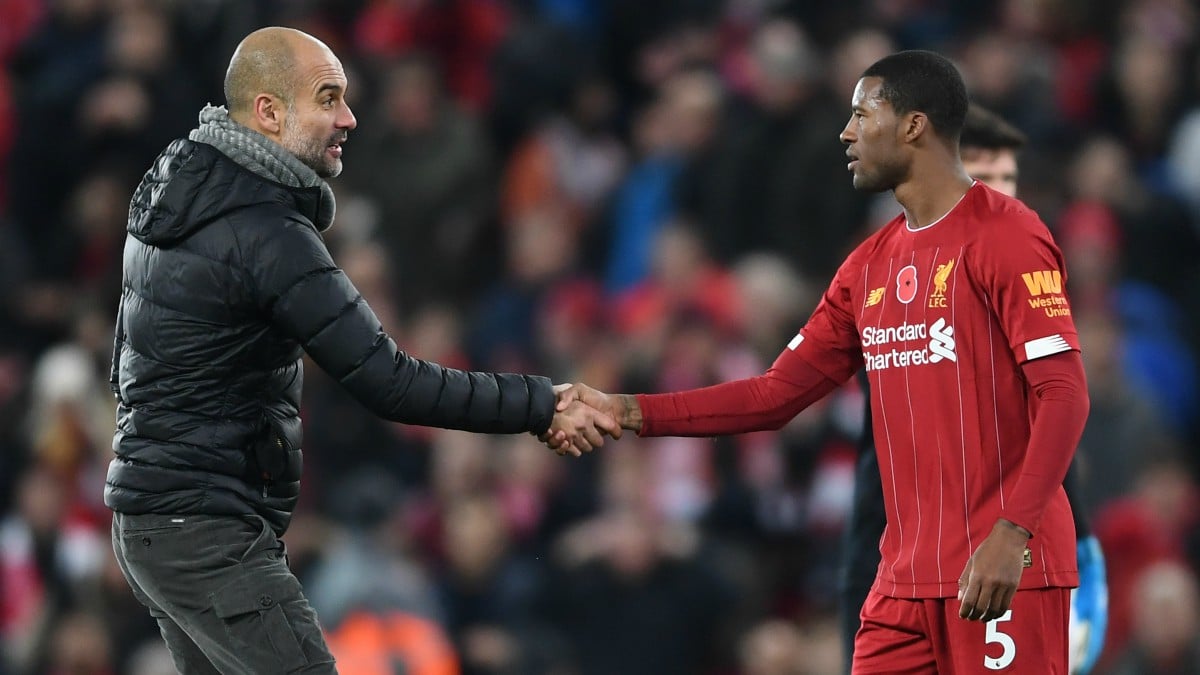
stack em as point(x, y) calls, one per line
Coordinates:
point(1043, 281)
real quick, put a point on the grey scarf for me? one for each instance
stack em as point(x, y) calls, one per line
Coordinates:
point(259, 154)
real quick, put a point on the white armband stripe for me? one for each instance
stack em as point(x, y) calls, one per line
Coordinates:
point(1051, 344)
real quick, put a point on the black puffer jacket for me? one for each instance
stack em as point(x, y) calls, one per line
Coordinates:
point(226, 280)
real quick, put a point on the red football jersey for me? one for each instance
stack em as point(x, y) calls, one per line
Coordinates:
point(942, 319)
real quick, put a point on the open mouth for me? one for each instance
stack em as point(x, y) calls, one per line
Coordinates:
point(335, 148)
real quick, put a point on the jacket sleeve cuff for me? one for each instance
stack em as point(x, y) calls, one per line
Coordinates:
point(541, 403)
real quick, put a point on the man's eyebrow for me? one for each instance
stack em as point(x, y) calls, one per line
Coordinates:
point(329, 86)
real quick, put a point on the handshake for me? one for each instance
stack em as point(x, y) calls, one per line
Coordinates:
point(583, 416)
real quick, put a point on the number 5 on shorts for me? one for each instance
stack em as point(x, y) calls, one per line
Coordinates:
point(993, 634)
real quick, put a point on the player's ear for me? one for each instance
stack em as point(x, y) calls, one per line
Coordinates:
point(913, 125)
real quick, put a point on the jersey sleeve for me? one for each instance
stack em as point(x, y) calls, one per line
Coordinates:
point(824, 354)
point(829, 341)
point(1024, 279)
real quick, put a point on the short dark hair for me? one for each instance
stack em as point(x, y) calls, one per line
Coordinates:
point(927, 82)
point(985, 130)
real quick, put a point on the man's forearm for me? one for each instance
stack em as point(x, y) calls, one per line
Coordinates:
point(760, 403)
point(1060, 411)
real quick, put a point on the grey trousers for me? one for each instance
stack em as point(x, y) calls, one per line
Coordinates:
point(222, 593)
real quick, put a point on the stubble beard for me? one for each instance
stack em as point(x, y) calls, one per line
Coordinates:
point(310, 151)
point(881, 180)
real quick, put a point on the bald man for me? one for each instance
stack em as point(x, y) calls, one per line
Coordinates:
point(226, 283)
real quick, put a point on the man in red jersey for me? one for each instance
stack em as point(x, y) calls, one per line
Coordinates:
point(957, 311)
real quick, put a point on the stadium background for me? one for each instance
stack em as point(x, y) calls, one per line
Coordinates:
point(640, 195)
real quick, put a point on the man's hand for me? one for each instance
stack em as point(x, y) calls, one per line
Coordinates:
point(577, 427)
point(623, 408)
point(989, 582)
point(1089, 608)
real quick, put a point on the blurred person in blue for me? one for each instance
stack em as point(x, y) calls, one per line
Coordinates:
point(988, 148)
point(227, 282)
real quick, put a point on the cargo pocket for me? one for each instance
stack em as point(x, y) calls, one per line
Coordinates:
point(252, 609)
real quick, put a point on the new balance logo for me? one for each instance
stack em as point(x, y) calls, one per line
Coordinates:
point(941, 343)
point(874, 297)
point(1043, 281)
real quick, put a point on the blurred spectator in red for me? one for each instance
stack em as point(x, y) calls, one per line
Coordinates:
point(1149, 526)
point(683, 279)
point(1074, 35)
point(1166, 623)
point(571, 324)
point(17, 19)
point(44, 554)
point(1089, 232)
point(462, 34)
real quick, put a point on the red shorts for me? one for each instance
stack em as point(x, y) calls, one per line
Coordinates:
point(926, 636)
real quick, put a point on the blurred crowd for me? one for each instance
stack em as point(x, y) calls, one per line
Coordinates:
point(639, 194)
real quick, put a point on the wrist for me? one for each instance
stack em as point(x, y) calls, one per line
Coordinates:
point(630, 412)
point(1009, 526)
